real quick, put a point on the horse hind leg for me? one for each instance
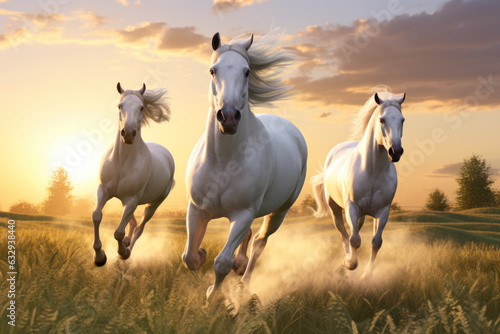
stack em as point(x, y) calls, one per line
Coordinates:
point(128, 212)
point(241, 258)
point(149, 211)
point(270, 225)
point(339, 223)
point(131, 227)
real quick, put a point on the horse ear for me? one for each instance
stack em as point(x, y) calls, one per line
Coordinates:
point(377, 99)
point(248, 43)
point(402, 99)
point(119, 88)
point(143, 89)
point(216, 41)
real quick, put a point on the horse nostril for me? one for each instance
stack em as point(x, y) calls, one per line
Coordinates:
point(391, 151)
point(220, 115)
point(122, 132)
point(237, 116)
point(134, 133)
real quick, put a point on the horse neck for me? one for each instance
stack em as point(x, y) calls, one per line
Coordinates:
point(373, 156)
point(122, 151)
point(222, 148)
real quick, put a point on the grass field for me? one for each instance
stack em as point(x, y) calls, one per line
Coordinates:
point(435, 273)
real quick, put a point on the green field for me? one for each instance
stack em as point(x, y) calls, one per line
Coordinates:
point(435, 273)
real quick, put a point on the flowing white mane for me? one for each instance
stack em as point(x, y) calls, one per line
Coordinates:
point(365, 113)
point(156, 106)
point(267, 59)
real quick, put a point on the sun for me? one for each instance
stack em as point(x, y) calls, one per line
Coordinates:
point(80, 155)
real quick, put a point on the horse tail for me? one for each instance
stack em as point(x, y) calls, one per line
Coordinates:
point(318, 186)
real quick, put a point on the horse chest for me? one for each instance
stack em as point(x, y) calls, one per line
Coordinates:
point(223, 188)
point(123, 181)
point(373, 193)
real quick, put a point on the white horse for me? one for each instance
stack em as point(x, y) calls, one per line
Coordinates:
point(245, 165)
point(360, 177)
point(132, 170)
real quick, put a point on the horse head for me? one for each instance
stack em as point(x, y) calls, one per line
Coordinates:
point(390, 129)
point(230, 71)
point(131, 107)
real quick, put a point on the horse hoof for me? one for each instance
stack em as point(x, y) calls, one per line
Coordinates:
point(126, 254)
point(350, 265)
point(240, 264)
point(126, 241)
point(242, 291)
point(367, 275)
point(214, 296)
point(100, 261)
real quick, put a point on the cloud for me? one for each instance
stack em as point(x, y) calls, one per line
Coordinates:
point(440, 58)
point(38, 19)
point(45, 28)
point(91, 19)
point(232, 5)
point(181, 38)
point(452, 170)
point(127, 3)
point(448, 170)
point(145, 31)
point(324, 114)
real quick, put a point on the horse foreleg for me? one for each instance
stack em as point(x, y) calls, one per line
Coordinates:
point(102, 198)
point(241, 258)
point(271, 224)
point(196, 225)
point(352, 215)
point(131, 227)
point(240, 224)
point(378, 227)
point(148, 214)
point(129, 207)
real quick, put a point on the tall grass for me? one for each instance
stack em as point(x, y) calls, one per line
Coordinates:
point(299, 287)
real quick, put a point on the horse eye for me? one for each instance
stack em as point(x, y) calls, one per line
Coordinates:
point(247, 73)
point(382, 121)
point(211, 70)
point(119, 106)
point(142, 108)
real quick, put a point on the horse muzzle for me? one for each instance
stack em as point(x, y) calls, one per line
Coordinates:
point(128, 136)
point(228, 121)
point(395, 153)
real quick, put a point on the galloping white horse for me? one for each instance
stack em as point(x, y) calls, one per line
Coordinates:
point(245, 165)
point(360, 177)
point(132, 170)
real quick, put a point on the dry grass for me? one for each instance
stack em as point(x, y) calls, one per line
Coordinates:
point(424, 281)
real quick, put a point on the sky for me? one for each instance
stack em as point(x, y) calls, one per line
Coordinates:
point(61, 59)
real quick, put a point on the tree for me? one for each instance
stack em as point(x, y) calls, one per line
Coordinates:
point(474, 182)
point(437, 201)
point(395, 206)
point(24, 207)
point(59, 199)
point(308, 203)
